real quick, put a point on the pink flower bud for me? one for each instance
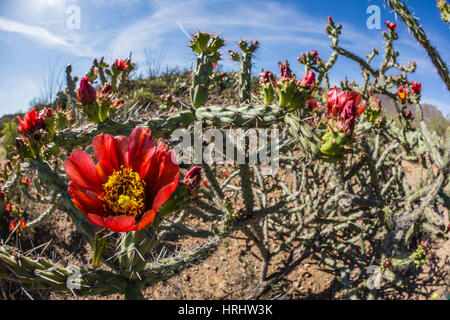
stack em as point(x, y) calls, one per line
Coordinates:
point(266, 76)
point(86, 93)
point(193, 177)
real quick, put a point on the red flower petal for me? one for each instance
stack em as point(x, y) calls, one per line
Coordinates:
point(154, 170)
point(85, 201)
point(167, 168)
point(81, 170)
point(141, 149)
point(147, 219)
point(120, 223)
point(111, 153)
point(96, 220)
point(164, 194)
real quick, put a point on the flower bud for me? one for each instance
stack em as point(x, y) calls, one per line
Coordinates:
point(193, 177)
point(286, 72)
point(266, 76)
point(86, 93)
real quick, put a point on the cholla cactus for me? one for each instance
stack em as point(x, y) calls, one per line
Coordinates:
point(206, 46)
point(245, 69)
point(341, 196)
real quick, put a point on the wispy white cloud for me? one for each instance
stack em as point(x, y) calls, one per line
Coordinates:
point(34, 32)
point(74, 43)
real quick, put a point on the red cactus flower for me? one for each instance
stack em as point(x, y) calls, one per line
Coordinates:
point(205, 183)
point(336, 101)
point(2, 196)
point(26, 181)
point(86, 93)
point(345, 107)
point(214, 65)
point(23, 224)
point(314, 53)
point(266, 76)
point(286, 72)
point(8, 207)
point(132, 179)
point(32, 122)
point(403, 93)
point(12, 224)
point(416, 87)
point(349, 114)
point(392, 26)
point(121, 64)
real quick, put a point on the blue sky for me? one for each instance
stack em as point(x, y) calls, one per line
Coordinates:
point(35, 39)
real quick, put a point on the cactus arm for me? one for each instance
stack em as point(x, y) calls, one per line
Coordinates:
point(41, 273)
point(412, 24)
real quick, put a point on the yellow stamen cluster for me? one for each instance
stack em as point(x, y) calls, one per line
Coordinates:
point(124, 193)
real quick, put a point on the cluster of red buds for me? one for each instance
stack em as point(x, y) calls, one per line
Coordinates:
point(311, 59)
point(423, 253)
point(373, 111)
point(391, 26)
point(387, 264)
point(292, 94)
point(343, 112)
point(266, 86)
point(409, 94)
point(407, 115)
point(405, 92)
